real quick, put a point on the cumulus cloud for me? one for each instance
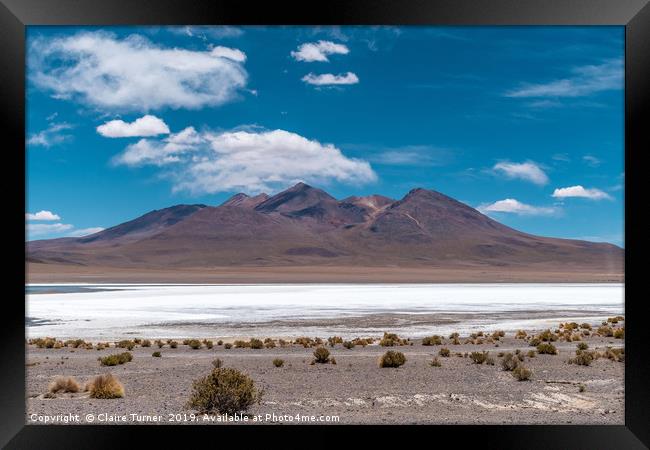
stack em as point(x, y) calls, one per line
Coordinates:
point(318, 51)
point(329, 79)
point(159, 152)
point(147, 125)
point(528, 171)
point(133, 74)
point(42, 215)
point(584, 80)
point(581, 192)
point(250, 159)
point(42, 229)
point(85, 231)
point(229, 53)
point(512, 206)
point(54, 134)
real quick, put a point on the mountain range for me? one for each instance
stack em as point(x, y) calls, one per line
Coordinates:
point(304, 225)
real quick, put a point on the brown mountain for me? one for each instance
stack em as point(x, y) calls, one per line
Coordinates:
point(304, 225)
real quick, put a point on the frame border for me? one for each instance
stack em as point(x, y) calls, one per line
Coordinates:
point(15, 15)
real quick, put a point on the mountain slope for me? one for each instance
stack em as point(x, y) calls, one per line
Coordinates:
point(306, 226)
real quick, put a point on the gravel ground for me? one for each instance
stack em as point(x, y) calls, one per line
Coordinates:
point(355, 389)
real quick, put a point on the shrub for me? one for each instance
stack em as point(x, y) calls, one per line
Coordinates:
point(269, 344)
point(614, 354)
point(585, 326)
point(74, 343)
point(209, 344)
point(219, 342)
point(390, 340)
point(126, 344)
point(521, 373)
point(534, 342)
point(435, 362)
point(583, 346)
point(116, 359)
point(227, 346)
point(322, 355)
point(241, 344)
point(581, 388)
point(304, 341)
point(224, 391)
point(489, 361)
point(432, 340)
point(613, 320)
point(277, 362)
point(333, 361)
point(333, 340)
point(444, 352)
point(194, 344)
point(547, 336)
point(105, 386)
point(217, 362)
point(546, 349)
point(146, 343)
point(160, 343)
point(532, 353)
point(256, 343)
point(348, 344)
point(392, 359)
point(156, 354)
point(479, 357)
point(509, 362)
point(173, 344)
point(521, 334)
point(454, 335)
point(582, 358)
point(605, 331)
point(63, 384)
point(619, 333)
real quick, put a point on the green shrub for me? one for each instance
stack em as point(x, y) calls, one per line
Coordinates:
point(435, 362)
point(224, 391)
point(532, 353)
point(585, 326)
point(322, 355)
point(227, 346)
point(605, 331)
point(146, 343)
point(521, 373)
point(116, 359)
point(173, 344)
point(194, 344)
point(479, 357)
point(534, 342)
point(581, 388)
point(209, 344)
point(219, 342)
point(348, 344)
point(156, 354)
point(432, 340)
point(241, 344)
point(392, 359)
point(583, 346)
point(217, 362)
point(277, 362)
point(390, 340)
point(545, 348)
point(160, 343)
point(582, 358)
point(444, 352)
point(269, 343)
point(619, 333)
point(547, 336)
point(454, 335)
point(333, 340)
point(256, 344)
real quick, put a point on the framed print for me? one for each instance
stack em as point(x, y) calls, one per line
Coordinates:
point(418, 215)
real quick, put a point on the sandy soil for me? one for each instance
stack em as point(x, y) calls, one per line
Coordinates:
point(355, 389)
point(53, 273)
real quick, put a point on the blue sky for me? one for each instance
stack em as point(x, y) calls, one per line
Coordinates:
point(524, 123)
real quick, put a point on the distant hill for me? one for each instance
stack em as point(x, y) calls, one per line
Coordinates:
point(304, 225)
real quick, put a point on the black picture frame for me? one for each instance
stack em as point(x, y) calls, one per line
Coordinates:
point(633, 14)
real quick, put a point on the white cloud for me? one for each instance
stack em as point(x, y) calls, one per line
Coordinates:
point(528, 171)
point(579, 191)
point(147, 125)
point(229, 53)
point(159, 153)
point(585, 80)
point(250, 159)
point(591, 160)
point(41, 229)
point(206, 32)
point(512, 206)
point(85, 231)
point(318, 51)
point(327, 79)
point(42, 215)
point(50, 136)
point(133, 74)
